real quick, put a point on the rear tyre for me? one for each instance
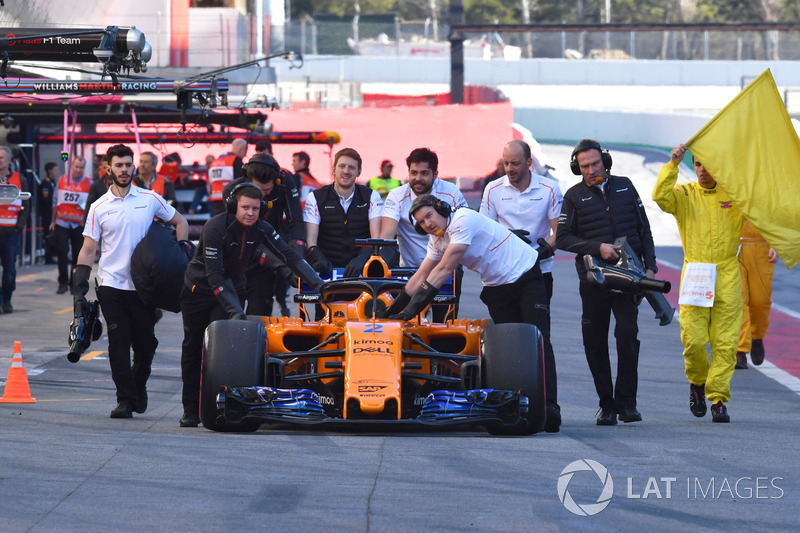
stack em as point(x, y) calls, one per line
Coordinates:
point(512, 358)
point(233, 356)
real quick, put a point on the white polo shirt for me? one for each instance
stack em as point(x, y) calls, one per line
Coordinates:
point(119, 224)
point(311, 211)
point(398, 202)
point(496, 254)
point(531, 209)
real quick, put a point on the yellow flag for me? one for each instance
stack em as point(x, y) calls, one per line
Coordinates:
point(751, 148)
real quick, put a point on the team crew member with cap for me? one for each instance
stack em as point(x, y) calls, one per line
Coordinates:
point(282, 200)
point(215, 278)
point(384, 182)
point(525, 201)
point(597, 211)
point(513, 288)
point(423, 172)
point(120, 219)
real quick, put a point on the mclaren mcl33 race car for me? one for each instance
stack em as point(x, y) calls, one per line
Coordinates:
point(351, 367)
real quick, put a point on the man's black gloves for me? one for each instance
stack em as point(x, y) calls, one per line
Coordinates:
point(422, 297)
point(319, 262)
point(299, 246)
point(80, 286)
point(522, 234)
point(300, 269)
point(188, 248)
point(355, 267)
point(390, 256)
point(545, 250)
point(400, 301)
point(227, 297)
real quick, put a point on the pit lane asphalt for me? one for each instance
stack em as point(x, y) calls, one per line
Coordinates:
point(66, 466)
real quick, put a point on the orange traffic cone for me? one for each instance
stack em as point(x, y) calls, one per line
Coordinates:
point(17, 389)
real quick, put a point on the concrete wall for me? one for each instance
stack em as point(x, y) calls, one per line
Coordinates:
point(364, 69)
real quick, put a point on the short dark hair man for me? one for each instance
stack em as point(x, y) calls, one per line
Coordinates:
point(120, 219)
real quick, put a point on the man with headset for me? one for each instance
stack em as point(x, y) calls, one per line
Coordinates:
point(509, 269)
point(282, 200)
point(215, 278)
point(423, 172)
point(597, 211)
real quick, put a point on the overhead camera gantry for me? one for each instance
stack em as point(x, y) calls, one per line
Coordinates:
point(120, 50)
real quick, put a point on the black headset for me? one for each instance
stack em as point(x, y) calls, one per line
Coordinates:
point(440, 206)
point(588, 144)
point(263, 159)
point(232, 203)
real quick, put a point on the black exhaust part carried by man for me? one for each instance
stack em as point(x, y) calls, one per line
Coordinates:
point(595, 213)
point(283, 201)
point(215, 279)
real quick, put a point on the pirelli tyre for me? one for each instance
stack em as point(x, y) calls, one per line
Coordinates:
point(512, 358)
point(233, 355)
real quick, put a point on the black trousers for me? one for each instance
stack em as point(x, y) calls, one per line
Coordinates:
point(67, 238)
point(597, 308)
point(260, 290)
point(130, 324)
point(525, 301)
point(198, 310)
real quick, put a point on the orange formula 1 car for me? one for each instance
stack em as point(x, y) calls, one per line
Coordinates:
point(351, 367)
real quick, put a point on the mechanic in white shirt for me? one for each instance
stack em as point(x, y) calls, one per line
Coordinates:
point(509, 269)
point(423, 172)
point(525, 201)
point(120, 219)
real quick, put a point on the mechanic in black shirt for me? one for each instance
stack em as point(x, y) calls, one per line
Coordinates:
point(215, 278)
point(282, 200)
point(595, 212)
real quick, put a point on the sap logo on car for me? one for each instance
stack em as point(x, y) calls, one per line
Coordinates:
point(371, 350)
point(371, 388)
point(371, 341)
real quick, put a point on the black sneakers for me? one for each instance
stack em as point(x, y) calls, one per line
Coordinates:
point(719, 413)
point(757, 351)
point(124, 409)
point(630, 414)
point(608, 417)
point(697, 400)
point(189, 420)
point(741, 361)
point(553, 423)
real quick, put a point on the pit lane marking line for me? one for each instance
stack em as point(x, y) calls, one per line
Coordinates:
point(63, 311)
point(91, 355)
point(73, 400)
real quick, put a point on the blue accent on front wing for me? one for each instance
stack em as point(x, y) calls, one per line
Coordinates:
point(441, 407)
point(444, 406)
point(297, 405)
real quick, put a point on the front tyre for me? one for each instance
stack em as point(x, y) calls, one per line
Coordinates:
point(233, 356)
point(512, 358)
